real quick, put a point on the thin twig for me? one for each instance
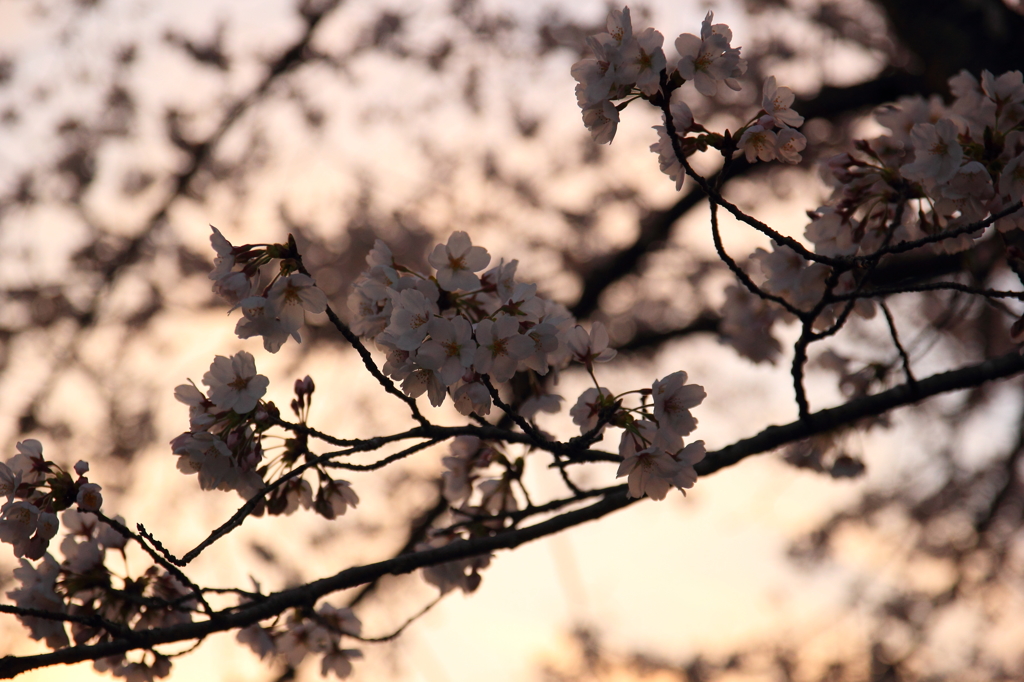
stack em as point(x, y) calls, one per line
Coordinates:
point(896, 342)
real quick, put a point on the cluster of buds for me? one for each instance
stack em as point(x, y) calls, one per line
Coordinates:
point(36, 490)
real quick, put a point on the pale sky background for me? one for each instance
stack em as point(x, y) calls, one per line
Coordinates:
point(697, 575)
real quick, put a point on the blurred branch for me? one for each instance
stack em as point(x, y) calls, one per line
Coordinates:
point(859, 408)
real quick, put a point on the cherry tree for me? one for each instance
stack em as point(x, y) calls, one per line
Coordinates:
point(944, 178)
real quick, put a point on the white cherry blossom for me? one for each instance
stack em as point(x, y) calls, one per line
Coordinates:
point(89, 497)
point(450, 350)
point(787, 274)
point(644, 60)
point(472, 397)
point(9, 481)
point(673, 399)
point(409, 317)
point(757, 143)
point(427, 381)
point(260, 319)
point(457, 261)
point(709, 58)
point(338, 496)
point(380, 255)
point(29, 462)
point(602, 120)
point(747, 322)
point(1011, 180)
point(291, 296)
point(38, 591)
point(501, 347)
point(234, 383)
point(590, 347)
point(18, 522)
point(776, 102)
point(788, 145)
point(937, 152)
point(225, 259)
point(587, 411)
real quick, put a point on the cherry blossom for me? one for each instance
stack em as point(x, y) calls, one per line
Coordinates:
point(225, 260)
point(260, 320)
point(668, 160)
point(290, 296)
point(587, 411)
point(456, 262)
point(647, 460)
point(501, 347)
point(776, 102)
point(412, 311)
point(788, 145)
point(380, 255)
point(38, 591)
point(546, 343)
point(644, 61)
point(1011, 180)
point(787, 274)
point(709, 58)
point(673, 398)
point(427, 381)
point(471, 397)
point(938, 154)
point(29, 462)
point(9, 481)
point(18, 522)
point(655, 460)
point(602, 120)
point(462, 574)
point(590, 347)
point(234, 383)
point(450, 350)
point(757, 143)
point(335, 498)
point(1007, 93)
point(89, 497)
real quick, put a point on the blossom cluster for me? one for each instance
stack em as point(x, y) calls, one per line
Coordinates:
point(275, 311)
point(223, 445)
point(306, 632)
point(952, 165)
point(452, 332)
point(82, 587)
point(941, 167)
point(654, 456)
point(458, 333)
point(36, 490)
point(627, 66)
